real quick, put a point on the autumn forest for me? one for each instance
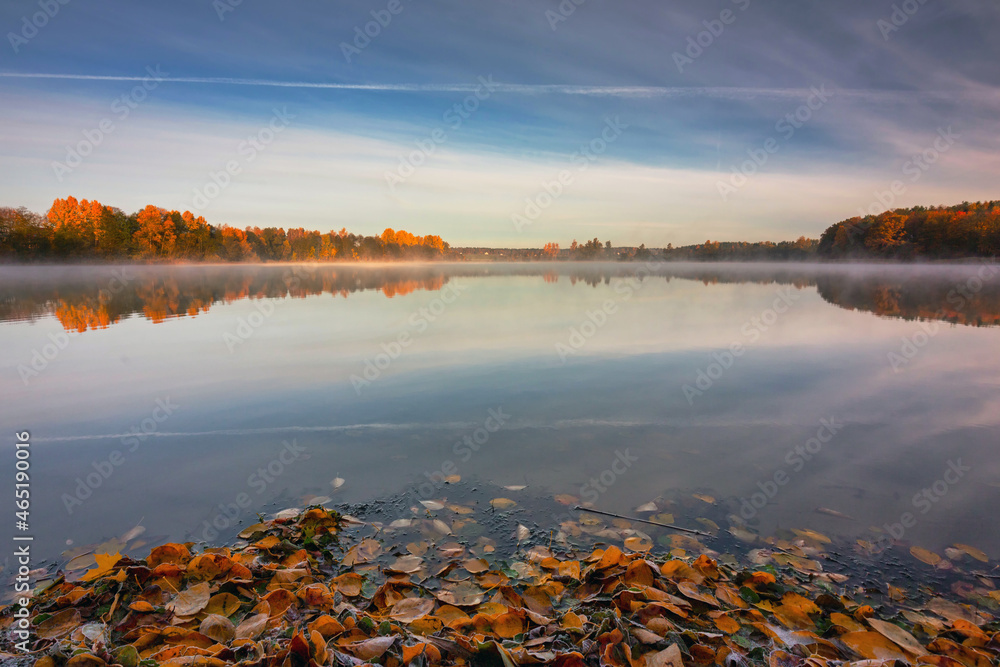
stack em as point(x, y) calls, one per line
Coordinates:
point(85, 230)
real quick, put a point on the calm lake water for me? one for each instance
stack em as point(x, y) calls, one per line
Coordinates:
point(844, 397)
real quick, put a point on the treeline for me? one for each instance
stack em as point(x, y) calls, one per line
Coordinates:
point(936, 232)
point(89, 231)
point(801, 250)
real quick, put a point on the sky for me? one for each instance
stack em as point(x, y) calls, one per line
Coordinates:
point(509, 123)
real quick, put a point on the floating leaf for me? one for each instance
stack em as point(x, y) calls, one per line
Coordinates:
point(973, 551)
point(502, 503)
point(925, 556)
point(475, 565)
point(647, 507)
point(105, 563)
point(461, 595)
point(432, 505)
point(406, 564)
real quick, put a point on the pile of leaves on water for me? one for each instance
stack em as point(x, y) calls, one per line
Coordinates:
point(309, 590)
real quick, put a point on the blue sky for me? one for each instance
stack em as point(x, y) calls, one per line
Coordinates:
point(888, 92)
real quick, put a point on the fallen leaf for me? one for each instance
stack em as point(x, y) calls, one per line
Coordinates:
point(669, 657)
point(251, 627)
point(873, 646)
point(690, 590)
point(191, 600)
point(408, 610)
point(461, 595)
point(59, 624)
point(898, 635)
point(223, 604)
point(217, 627)
point(371, 648)
point(502, 503)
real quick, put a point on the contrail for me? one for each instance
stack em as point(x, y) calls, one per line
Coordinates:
point(717, 92)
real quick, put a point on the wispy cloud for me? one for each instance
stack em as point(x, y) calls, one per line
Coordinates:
point(715, 92)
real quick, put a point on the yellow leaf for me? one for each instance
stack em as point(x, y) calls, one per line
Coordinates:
point(973, 551)
point(502, 503)
point(223, 604)
point(925, 556)
point(105, 563)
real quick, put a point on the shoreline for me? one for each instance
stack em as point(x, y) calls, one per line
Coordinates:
point(316, 587)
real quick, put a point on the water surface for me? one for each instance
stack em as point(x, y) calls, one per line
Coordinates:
point(171, 396)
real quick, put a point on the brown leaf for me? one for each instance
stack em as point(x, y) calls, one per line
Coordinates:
point(169, 553)
point(461, 595)
point(223, 604)
point(219, 628)
point(411, 609)
point(191, 600)
point(371, 648)
point(85, 660)
point(898, 635)
point(406, 564)
point(349, 584)
point(251, 627)
point(689, 590)
point(508, 625)
point(668, 657)
point(59, 624)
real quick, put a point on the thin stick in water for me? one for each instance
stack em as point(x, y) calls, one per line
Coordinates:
point(653, 523)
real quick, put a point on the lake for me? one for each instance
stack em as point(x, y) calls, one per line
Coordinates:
point(853, 400)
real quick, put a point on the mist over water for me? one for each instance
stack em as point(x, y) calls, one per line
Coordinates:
point(870, 391)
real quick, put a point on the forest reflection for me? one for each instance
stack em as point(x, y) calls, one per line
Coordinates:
point(88, 298)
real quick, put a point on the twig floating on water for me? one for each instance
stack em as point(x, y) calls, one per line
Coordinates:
point(653, 523)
